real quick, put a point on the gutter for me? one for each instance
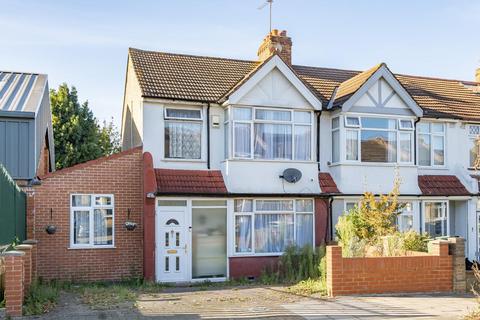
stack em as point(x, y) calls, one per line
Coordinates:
point(318, 113)
point(415, 140)
point(330, 217)
point(245, 195)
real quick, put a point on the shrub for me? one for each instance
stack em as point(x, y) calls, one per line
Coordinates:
point(414, 241)
point(296, 264)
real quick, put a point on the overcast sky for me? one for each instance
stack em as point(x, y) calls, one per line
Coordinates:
point(84, 43)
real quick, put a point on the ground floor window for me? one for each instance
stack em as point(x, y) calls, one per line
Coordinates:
point(270, 226)
point(91, 220)
point(405, 218)
point(436, 218)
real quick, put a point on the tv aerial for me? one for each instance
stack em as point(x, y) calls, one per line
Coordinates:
point(269, 3)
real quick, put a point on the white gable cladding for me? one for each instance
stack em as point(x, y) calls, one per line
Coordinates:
point(275, 90)
point(382, 91)
point(275, 84)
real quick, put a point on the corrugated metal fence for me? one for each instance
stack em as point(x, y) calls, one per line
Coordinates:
point(13, 204)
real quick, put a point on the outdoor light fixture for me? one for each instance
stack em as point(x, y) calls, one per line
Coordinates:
point(151, 195)
point(130, 225)
point(51, 229)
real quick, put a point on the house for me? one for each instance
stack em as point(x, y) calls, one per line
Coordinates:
point(226, 162)
point(26, 135)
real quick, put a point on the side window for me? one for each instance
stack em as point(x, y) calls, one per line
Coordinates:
point(183, 133)
point(91, 220)
point(431, 144)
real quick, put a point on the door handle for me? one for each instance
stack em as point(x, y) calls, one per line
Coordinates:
point(185, 247)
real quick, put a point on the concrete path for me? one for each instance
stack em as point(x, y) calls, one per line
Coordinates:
point(267, 303)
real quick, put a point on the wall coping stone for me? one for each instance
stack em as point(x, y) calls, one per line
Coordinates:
point(13, 253)
point(30, 241)
point(22, 247)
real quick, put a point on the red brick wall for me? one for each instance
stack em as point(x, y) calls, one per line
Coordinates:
point(419, 273)
point(14, 290)
point(245, 267)
point(120, 175)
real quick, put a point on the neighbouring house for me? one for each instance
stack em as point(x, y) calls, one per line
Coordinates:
point(227, 162)
point(26, 135)
point(26, 144)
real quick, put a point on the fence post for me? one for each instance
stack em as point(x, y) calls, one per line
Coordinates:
point(27, 265)
point(14, 282)
point(334, 268)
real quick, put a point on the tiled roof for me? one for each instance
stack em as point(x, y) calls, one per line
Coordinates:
point(21, 92)
point(208, 79)
point(173, 181)
point(347, 88)
point(327, 184)
point(441, 185)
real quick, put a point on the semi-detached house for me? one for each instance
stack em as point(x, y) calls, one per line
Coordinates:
point(241, 159)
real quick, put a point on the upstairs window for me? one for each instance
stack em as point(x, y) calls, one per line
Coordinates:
point(183, 133)
point(91, 220)
point(474, 136)
point(373, 139)
point(271, 134)
point(431, 144)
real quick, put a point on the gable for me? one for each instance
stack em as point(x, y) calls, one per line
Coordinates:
point(275, 90)
point(382, 93)
point(273, 83)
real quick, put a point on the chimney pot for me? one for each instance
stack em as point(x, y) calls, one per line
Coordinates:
point(276, 42)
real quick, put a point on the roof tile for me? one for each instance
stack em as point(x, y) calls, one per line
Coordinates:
point(327, 184)
point(441, 185)
point(173, 181)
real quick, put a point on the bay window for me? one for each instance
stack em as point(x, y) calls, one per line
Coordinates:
point(270, 134)
point(183, 133)
point(91, 220)
point(373, 139)
point(270, 226)
point(431, 144)
point(474, 136)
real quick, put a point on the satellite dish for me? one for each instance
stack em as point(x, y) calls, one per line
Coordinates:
point(291, 175)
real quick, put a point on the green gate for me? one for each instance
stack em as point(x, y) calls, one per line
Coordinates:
point(13, 209)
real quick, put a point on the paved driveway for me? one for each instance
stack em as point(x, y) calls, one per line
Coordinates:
point(268, 302)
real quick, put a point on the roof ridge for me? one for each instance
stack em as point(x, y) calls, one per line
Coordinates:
point(193, 55)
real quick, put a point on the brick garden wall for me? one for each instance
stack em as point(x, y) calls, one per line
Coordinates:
point(120, 175)
point(428, 272)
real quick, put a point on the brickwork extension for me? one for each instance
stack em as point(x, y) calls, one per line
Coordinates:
point(429, 272)
point(14, 275)
point(120, 175)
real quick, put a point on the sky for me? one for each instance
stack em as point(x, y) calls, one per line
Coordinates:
point(85, 43)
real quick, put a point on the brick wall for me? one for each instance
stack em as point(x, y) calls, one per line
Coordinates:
point(430, 272)
point(14, 277)
point(120, 175)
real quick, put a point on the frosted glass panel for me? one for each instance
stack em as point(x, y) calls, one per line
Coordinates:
point(209, 241)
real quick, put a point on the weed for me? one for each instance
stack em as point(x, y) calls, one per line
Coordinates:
point(42, 297)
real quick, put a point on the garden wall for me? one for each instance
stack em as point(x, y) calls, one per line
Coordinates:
point(417, 272)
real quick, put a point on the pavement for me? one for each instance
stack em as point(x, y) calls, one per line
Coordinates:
point(266, 303)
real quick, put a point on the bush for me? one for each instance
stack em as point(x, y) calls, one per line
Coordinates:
point(414, 241)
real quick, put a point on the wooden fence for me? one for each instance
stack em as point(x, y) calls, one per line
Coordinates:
point(12, 209)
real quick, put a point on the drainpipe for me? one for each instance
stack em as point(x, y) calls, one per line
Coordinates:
point(208, 135)
point(318, 113)
point(330, 217)
point(415, 141)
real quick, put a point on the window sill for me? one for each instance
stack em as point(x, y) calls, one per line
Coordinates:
point(270, 161)
point(255, 255)
point(184, 160)
point(91, 247)
point(432, 168)
point(373, 164)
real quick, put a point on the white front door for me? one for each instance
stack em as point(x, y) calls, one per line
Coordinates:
point(172, 244)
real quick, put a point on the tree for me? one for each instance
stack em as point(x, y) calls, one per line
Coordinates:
point(77, 134)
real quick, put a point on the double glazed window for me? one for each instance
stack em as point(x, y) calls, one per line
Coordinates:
point(270, 226)
point(405, 218)
point(431, 144)
point(474, 136)
point(371, 139)
point(270, 134)
point(436, 218)
point(91, 220)
point(183, 133)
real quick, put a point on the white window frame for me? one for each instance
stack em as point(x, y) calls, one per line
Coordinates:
point(337, 129)
point(432, 154)
point(183, 120)
point(358, 129)
point(445, 204)
point(406, 212)
point(90, 209)
point(231, 134)
point(472, 139)
point(254, 212)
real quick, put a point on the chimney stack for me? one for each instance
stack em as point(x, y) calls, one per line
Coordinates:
point(477, 76)
point(278, 42)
